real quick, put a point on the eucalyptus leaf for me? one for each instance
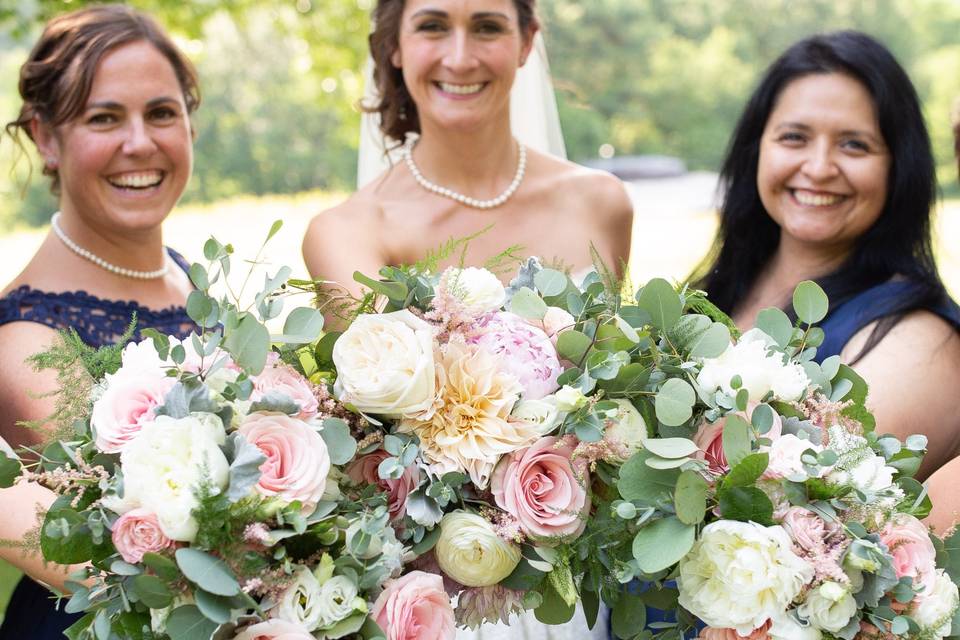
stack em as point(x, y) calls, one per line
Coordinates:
point(244, 467)
point(830, 367)
point(9, 467)
point(188, 623)
point(674, 402)
point(671, 447)
point(341, 446)
point(249, 344)
point(661, 302)
point(666, 463)
point(810, 302)
point(215, 608)
point(640, 482)
point(662, 543)
point(775, 323)
point(550, 282)
point(303, 325)
point(527, 304)
point(553, 609)
point(736, 439)
point(209, 573)
point(629, 616)
point(712, 342)
point(573, 345)
point(690, 497)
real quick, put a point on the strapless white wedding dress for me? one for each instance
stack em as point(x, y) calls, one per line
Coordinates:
point(527, 627)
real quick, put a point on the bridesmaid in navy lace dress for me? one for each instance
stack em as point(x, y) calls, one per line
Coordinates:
point(107, 100)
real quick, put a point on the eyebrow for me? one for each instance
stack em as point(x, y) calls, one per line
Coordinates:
point(116, 106)
point(481, 15)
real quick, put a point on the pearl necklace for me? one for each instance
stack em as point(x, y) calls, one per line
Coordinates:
point(100, 262)
point(459, 197)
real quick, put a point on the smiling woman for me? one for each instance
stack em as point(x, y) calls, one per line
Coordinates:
point(107, 100)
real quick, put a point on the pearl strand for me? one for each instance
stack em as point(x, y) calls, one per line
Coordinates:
point(100, 262)
point(459, 197)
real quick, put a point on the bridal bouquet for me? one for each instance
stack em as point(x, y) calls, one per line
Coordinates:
point(548, 443)
point(199, 480)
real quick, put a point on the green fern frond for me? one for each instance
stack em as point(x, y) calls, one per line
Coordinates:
point(611, 282)
point(697, 302)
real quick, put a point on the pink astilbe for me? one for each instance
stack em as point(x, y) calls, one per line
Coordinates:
point(452, 315)
point(68, 479)
point(505, 525)
point(257, 533)
point(825, 413)
point(487, 604)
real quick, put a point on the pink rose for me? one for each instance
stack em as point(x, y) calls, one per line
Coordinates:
point(709, 438)
point(297, 462)
point(274, 629)
point(415, 607)
point(807, 529)
point(555, 321)
point(523, 351)
point(539, 487)
point(138, 532)
point(131, 396)
point(713, 633)
point(913, 553)
point(364, 470)
point(284, 380)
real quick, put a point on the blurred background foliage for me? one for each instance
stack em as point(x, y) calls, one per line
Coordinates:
point(281, 80)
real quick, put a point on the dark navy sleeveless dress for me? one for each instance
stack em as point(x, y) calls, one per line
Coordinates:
point(31, 612)
point(841, 324)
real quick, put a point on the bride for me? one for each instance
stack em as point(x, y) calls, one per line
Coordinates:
point(444, 71)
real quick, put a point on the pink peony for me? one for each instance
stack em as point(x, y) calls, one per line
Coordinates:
point(364, 470)
point(539, 487)
point(415, 607)
point(523, 351)
point(913, 553)
point(284, 380)
point(138, 532)
point(128, 403)
point(709, 438)
point(297, 462)
point(274, 629)
point(713, 633)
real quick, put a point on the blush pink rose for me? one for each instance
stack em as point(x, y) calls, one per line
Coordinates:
point(284, 380)
point(913, 553)
point(138, 532)
point(709, 438)
point(128, 403)
point(808, 530)
point(415, 607)
point(554, 322)
point(713, 633)
point(540, 488)
point(274, 629)
point(297, 461)
point(524, 351)
point(364, 470)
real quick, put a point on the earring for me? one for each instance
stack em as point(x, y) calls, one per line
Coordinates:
point(51, 163)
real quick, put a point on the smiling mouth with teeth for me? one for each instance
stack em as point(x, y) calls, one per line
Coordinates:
point(461, 89)
point(140, 180)
point(809, 199)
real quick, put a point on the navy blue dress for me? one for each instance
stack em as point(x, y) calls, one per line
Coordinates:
point(31, 612)
point(842, 323)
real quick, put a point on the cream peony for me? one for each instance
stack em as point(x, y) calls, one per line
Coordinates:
point(471, 552)
point(760, 371)
point(936, 609)
point(164, 466)
point(829, 607)
point(741, 574)
point(385, 364)
point(470, 429)
point(477, 288)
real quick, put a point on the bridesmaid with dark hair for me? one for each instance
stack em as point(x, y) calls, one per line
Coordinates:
point(107, 99)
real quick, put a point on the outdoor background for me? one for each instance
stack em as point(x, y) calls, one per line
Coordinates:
point(278, 126)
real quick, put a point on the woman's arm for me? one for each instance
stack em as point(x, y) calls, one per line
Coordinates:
point(942, 488)
point(914, 378)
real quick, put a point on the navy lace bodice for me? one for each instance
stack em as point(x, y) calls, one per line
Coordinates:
point(97, 321)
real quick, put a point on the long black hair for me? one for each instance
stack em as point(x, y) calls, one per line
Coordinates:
point(898, 243)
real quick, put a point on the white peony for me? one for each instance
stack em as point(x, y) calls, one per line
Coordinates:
point(164, 466)
point(784, 627)
point(935, 610)
point(478, 288)
point(740, 574)
point(870, 475)
point(385, 364)
point(785, 457)
point(543, 414)
point(471, 552)
point(760, 371)
point(627, 431)
point(300, 603)
point(829, 607)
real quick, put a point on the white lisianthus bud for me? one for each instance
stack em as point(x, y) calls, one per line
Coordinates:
point(544, 414)
point(829, 607)
point(302, 602)
point(478, 288)
point(570, 398)
point(338, 599)
point(471, 552)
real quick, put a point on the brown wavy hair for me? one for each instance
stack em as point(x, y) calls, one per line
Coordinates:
point(398, 113)
point(56, 79)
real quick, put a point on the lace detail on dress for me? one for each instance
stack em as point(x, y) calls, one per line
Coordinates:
point(98, 322)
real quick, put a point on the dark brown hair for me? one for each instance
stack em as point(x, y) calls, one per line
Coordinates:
point(398, 113)
point(55, 80)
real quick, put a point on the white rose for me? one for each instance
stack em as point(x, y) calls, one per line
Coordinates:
point(166, 463)
point(301, 602)
point(760, 371)
point(870, 475)
point(338, 599)
point(471, 552)
point(740, 574)
point(829, 607)
point(478, 288)
point(935, 610)
point(785, 453)
point(543, 414)
point(570, 398)
point(628, 429)
point(783, 626)
point(385, 364)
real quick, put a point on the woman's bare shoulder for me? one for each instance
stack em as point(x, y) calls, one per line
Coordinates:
point(571, 182)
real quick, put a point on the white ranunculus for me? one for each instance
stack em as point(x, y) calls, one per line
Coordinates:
point(627, 429)
point(478, 288)
point(740, 574)
point(301, 603)
point(784, 627)
point(760, 370)
point(385, 364)
point(829, 607)
point(936, 609)
point(166, 463)
point(543, 414)
point(570, 398)
point(338, 600)
point(471, 552)
point(870, 475)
